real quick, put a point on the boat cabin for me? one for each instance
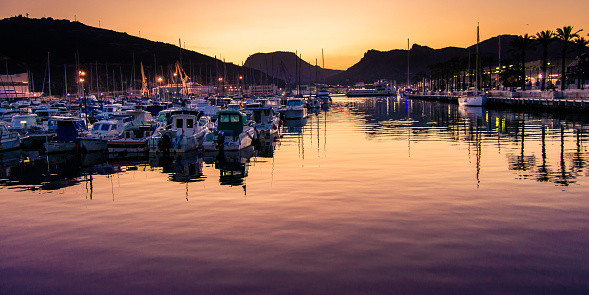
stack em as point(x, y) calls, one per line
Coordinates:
point(185, 122)
point(231, 122)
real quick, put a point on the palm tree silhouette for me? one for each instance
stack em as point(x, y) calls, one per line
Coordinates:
point(565, 34)
point(521, 44)
point(580, 45)
point(545, 38)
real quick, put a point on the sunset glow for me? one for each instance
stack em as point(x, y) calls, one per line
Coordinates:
point(233, 30)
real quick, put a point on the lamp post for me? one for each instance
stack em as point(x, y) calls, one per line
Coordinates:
point(159, 81)
point(81, 79)
point(240, 86)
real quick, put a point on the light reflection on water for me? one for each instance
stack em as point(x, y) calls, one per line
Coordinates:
point(372, 196)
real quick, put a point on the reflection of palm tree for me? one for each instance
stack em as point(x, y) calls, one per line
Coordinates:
point(565, 34)
point(563, 178)
point(545, 38)
point(543, 174)
point(578, 161)
point(521, 44)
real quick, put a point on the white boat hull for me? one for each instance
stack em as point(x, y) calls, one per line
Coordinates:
point(10, 143)
point(296, 113)
point(230, 143)
point(93, 144)
point(472, 101)
point(59, 147)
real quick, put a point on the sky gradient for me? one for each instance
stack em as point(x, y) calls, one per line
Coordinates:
point(345, 30)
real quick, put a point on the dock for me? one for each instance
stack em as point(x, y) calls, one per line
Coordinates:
point(567, 100)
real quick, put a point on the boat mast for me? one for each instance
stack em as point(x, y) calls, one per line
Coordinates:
point(477, 62)
point(408, 83)
point(49, 72)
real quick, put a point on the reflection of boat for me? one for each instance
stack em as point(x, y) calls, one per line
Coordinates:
point(9, 140)
point(232, 165)
point(266, 148)
point(185, 167)
point(233, 132)
point(295, 126)
point(471, 111)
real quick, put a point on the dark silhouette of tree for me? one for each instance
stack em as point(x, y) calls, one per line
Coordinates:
point(580, 45)
point(521, 44)
point(565, 34)
point(545, 38)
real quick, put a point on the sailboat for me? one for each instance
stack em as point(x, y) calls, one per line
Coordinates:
point(474, 98)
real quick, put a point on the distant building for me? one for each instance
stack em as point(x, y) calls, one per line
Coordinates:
point(15, 87)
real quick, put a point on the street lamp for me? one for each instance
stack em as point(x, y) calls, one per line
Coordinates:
point(159, 81)
point(81, 79)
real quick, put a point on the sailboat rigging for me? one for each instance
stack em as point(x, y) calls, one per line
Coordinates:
point(474, 98)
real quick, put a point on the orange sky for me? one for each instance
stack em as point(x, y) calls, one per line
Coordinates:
point(345, 30)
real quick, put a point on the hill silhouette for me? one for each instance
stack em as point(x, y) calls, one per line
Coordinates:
point(284, 65)
point(111, 59)
point(392, 64)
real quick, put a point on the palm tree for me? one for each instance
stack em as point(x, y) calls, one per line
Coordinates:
point(521, 44)
point(580, 45)
point(545, 38)
point(565, 34)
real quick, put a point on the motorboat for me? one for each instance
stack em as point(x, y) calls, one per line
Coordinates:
point(233, 132)
point(294, 109)
point(323, 95)
point(186, 133)
point(67, 132)
point(134, 138)
point(379, 88)
point(266, 121)
point(101, 132)
point(9, 140)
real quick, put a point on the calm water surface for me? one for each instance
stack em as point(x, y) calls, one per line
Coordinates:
point(372, 196)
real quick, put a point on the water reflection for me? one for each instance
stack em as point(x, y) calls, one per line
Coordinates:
point(483, 129)
point(232, 165)
point(184, 167)
point(31, 171)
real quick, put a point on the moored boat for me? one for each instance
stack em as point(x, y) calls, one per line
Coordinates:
point(9, 140)
point(134, 139)
point(65, 140)
point(294, 109)
point(103, 131)
point(233, 132)
point(185, 134)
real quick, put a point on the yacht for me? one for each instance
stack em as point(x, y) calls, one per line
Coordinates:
point(380, 88)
